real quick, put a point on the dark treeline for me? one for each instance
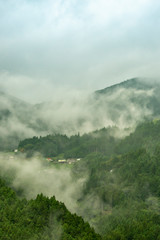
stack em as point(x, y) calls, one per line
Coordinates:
point(146, 135)
point(74, 146)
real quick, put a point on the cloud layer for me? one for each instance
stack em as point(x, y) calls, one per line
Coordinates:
point(34, 176)
point(77, 44)
point(74, 112)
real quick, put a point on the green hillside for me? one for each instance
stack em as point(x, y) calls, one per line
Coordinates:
point(119, 166)
point(121, 197)
point(105, 141)
point(43, 218)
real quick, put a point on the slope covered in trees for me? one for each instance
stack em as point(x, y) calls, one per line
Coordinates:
point(43, 218)
point(74, 146)
point(126, 193)
point(121, 197)
point(146, 135)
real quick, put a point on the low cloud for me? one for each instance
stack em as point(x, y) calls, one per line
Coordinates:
point(123, 108)
point(31, 177)
point(70, 112)
point(88, 44)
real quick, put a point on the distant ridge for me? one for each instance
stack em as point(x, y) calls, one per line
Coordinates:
point(134, 83)
point(123, 105)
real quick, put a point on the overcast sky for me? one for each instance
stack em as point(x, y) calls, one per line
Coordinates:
point(47, 46)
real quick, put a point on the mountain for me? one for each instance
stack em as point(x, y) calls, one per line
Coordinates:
point(140, 93)
point(119, 175)
point(120, 196)
point(123, 105)
point(134, 83)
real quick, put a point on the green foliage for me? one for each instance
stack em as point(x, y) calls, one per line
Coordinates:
point(125, 188)
point(42, 218)
point(146, 135)
point(121, 195)
point(74, 146)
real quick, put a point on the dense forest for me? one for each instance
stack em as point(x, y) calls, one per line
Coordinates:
point(42, 218)
point(126, 192)
point(105, 141)
point(121, 197)
point(79, 120)
point(74, 146)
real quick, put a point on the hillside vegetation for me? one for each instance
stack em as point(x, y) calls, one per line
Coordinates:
point(116, 168)
point(42, 218)
point(121, 197)
point(105, 141)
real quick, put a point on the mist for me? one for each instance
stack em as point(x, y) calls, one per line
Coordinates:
point(72, 112)
point(54, 58)
point(83, 113)
point(34, 176)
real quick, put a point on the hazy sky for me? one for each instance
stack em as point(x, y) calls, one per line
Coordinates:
point(49, 45)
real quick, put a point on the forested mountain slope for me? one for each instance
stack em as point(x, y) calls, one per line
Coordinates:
point(105, 141)
point(121, 194)
point(43, 218)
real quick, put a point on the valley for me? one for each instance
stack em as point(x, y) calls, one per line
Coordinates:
point(109, 176)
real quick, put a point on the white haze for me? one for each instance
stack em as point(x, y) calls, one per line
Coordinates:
point(17, 123)
point(34, 177)
point(75, 112)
